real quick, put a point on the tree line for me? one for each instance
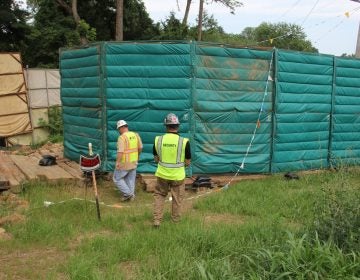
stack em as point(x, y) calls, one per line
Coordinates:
point(39, 28)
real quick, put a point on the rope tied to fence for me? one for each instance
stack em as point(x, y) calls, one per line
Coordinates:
point(257, 125)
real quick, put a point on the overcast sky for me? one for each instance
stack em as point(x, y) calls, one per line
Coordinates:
point(324, 21)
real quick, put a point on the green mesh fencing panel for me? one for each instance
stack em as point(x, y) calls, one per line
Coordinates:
point(227, 98)
point(81, 97)
point(345, 148)
point(144, 82)
point(303, 106)
point(308, 105)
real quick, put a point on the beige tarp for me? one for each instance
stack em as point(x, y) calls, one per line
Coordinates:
point(14, 113)
point(38, 134)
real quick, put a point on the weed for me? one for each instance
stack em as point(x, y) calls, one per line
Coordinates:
point(337, 212)
point(55, 124)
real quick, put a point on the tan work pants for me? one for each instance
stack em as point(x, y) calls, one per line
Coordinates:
point(177, 189)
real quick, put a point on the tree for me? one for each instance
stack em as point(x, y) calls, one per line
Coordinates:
point(13, 26)
point(231, 4)
point(200, 19)
point(137, 24)
point(348, 55)
point(186, 14)
point(53, 27)
point(119, 20)
point(172, 29)
point(281, 35)
point(73, 10)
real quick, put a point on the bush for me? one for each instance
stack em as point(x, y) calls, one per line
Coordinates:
point(55, 124)
point(337, 212)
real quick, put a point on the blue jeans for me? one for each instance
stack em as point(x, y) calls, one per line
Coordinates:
point(125, 181)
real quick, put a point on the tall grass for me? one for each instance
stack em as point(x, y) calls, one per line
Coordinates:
point(264, 229)
point(337, 213)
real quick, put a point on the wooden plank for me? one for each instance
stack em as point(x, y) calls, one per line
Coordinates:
point(149, 181)
point(75, 172)
point(26, 165)
point(29, 165)
point(9, 170)
point(74, 165)
point(4, 183)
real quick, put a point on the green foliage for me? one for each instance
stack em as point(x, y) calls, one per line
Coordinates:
point(231, 4)
point(348, 55)
point(52, 29)
point(337, 212)
point(137, 23)
point(172, 29)
point(13, 26)
point(284, 35)
point(212, 31)
point(55, 124)
point(101, 15)
point(84, 30)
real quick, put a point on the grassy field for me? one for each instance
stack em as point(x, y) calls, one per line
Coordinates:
point(264, 229)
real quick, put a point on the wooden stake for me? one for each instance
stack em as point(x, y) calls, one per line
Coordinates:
point(94, 184)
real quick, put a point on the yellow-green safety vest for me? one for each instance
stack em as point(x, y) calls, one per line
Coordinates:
point(171, 151)
point(131, 145)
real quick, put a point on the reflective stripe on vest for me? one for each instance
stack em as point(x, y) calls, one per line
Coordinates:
point(131, 144)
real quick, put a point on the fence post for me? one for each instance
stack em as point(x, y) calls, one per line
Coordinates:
point(273, 111)
point(192, 122)
point(102, 78)
point(331, 114)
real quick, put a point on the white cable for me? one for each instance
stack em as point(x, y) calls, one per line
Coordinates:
point(256, 126)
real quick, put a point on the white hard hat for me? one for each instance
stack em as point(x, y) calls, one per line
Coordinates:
point(171, 119)
point(120, 124)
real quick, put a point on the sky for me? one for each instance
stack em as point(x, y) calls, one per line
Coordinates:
point(324, 21)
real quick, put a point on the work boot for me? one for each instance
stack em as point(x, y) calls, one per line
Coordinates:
point(128, 198)
point(125, 198)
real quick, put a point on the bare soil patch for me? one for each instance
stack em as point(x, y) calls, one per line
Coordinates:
point(33, 263)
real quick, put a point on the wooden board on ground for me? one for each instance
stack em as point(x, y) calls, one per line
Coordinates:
point(29, 165)
point(4, 183)
point(9, 170)
point(72, 168)
point(222, 180)
point(148, 181)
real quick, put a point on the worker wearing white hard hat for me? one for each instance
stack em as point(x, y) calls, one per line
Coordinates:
point(129, 147)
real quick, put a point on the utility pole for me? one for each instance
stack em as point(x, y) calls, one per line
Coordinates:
point(357, 52)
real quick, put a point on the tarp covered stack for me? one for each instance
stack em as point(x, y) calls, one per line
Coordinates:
point(14, 112)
